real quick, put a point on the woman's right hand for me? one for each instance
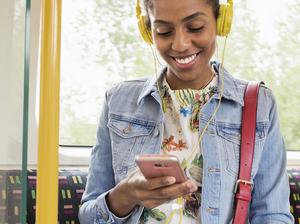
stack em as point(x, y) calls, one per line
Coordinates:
point(150, 193)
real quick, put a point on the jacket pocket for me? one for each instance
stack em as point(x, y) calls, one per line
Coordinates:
point(128, 137)
point(230, 134)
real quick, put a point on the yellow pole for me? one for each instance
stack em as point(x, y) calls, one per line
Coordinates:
point(47, 173)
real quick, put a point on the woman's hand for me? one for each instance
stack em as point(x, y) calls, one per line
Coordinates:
point(150, 193)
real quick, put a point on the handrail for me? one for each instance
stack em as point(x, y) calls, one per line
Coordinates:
point(23, 211)
point(47, 173)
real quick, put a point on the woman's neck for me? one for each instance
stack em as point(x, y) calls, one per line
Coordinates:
point(201, 82)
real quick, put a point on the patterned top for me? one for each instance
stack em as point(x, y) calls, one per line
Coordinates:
point(181, 138)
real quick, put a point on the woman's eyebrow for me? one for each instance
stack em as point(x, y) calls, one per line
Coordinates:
point(161, 21)
point(194, 15)
point(190, 17)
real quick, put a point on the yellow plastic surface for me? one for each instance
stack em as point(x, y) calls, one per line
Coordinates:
point(47, 173)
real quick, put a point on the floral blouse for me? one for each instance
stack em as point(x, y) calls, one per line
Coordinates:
point(181, 138)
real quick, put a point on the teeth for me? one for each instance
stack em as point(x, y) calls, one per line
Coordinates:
point(186, 60)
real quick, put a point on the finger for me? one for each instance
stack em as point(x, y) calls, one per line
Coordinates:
point(135, 178)
point(174, 191)
point(133, 173)
point(163, 195)
point(159, 182)
point(150, 198)
point(145, 198)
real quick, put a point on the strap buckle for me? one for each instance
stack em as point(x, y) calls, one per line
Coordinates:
point(246, 182)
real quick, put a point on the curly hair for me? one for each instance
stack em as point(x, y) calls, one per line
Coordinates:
point(148, 6)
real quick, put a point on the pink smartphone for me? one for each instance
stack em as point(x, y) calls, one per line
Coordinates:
point(152, 165)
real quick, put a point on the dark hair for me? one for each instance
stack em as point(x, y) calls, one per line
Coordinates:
point(148, 5)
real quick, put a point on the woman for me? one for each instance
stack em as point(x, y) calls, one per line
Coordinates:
point(169, 115)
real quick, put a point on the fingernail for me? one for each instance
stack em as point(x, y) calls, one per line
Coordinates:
point(194, 188)
point(171, 180)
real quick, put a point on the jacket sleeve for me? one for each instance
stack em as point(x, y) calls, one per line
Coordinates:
point(100, 180)
point(270, 196)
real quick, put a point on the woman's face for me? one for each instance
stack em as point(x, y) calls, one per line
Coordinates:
point(184, 33)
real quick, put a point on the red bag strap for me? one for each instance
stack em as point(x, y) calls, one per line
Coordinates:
point(243, 185)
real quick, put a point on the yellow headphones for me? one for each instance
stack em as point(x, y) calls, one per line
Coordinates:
point(224, 21)
point(144, 30)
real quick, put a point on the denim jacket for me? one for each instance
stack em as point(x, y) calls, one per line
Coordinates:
point(131, 124)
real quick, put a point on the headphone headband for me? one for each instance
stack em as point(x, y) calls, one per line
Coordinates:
point(144, 30)
point(138, 10)
point(224, 20)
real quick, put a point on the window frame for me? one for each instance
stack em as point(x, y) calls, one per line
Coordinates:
point(73, 156)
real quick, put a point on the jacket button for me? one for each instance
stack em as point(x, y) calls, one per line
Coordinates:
point(156, 132)
point(211, 210)
point(213, 169)
point(127, 130)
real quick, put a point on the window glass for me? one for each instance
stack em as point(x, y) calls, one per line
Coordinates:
point(12, 84)
point(12, 32)
point(101, 46)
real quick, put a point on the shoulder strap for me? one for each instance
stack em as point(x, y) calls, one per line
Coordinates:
point(243, 185)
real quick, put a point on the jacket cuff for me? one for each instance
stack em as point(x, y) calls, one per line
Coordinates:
point(104, 215)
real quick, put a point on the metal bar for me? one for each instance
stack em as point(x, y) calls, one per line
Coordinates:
point(47, 173)
point(23, 211)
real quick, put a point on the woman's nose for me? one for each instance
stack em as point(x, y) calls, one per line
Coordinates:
point(181, 41)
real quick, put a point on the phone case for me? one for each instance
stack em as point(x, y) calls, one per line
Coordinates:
point(153, 166)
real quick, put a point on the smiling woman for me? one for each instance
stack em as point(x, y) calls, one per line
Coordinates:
point(191, 110)
point(101, 48)
point(168, 112)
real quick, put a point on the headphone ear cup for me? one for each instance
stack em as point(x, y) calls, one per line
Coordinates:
point(224, 20)
point(144, 30)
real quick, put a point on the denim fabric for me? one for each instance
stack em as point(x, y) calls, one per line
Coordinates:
point(131, 124)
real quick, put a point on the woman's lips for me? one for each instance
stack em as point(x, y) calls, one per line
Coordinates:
point(186, 62)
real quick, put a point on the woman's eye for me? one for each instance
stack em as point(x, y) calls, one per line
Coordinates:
point(163, 31)
point(196, 29)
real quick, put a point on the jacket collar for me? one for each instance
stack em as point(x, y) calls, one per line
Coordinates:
point(150, 86)
point(233, 89)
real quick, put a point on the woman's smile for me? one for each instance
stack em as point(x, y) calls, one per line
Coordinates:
point(186, 62)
